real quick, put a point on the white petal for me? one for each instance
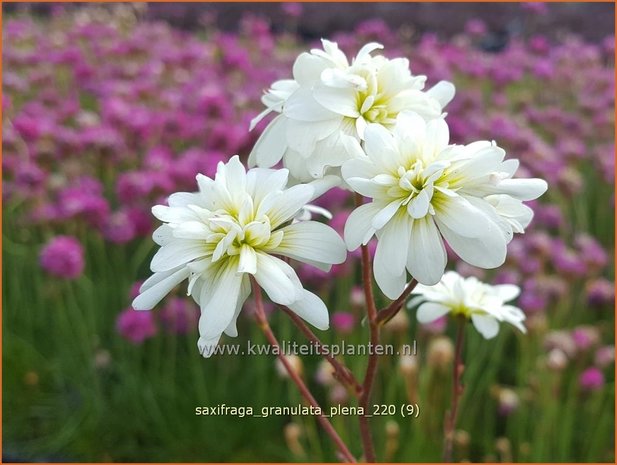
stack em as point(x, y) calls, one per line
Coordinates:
point(386, 213)
point(419, 206)
point(507, 292)
point(426, 260)
point(302, 106)
point(359, 168)
point(206, 346)
point(303, 136)
point(410, 125)
point(182, 199)
point(430, 311)
point(278, 279)
point(245, 290)
point(261, 181)
point(391, 254)
point(459, 215)
point(338, 100)
point(323, 185)
point(218, 302)
point(523, 189)
point(307, 69)
point(380, 147)
point(358, 229)
point(312, 309)
point(235, 175)
point(437, 137)
point(368, 188)
point(282, 206)
point(486, 325)
point(248, 260)
point(163, 235)
point(367, 50)
point(195, 230)
point(152, 292)
point(443, 92)
point(176, 253)
point(488, 251)
point(173, 214)
point(312, 241)
point(270, 147)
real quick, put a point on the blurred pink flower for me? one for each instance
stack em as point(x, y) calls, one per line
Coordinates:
point(63, 257)
point(179, 315)
point(343, 322)
point(136, 326)
point(592, 379)
point(293, 9)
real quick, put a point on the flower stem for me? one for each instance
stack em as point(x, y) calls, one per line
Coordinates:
point(342, 373)
point(371, 369)
point(260, 315)
point(457, 391)
point(391, 310)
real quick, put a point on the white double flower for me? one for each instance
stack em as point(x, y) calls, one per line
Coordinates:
point(231, 229)
point(328, 104)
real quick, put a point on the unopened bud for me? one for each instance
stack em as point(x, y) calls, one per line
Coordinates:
point(392, 439)
point(461, 438)
point(356, 297)
point(399, 323)
point(325, 373)
point(440, 353)
point(508, 401)
point(556, 360)
point(339, 394)
point(504, 449)
point(293, 433)
point(408, 365)
point(31, 378)
point(294, 361)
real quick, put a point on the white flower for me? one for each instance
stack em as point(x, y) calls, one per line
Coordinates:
point(422, 189)
point(232, 229)
point(326, 107)
point(473, 299)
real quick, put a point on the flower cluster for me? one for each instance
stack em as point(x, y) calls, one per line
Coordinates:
point(99, 125)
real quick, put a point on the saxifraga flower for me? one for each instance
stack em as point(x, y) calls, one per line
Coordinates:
point(329, 102)
point(483, 304)
point(232, 229)
point(421, 189)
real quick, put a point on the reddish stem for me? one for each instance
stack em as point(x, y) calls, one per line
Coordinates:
point(457, 390)
point(260, 315)
point(341, 372)
point(391, 310)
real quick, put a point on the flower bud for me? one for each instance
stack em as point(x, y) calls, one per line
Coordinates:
point(325, 373)
point(356, 297)
point(338, 394)
point(294, 361)
point(392, 439)
point(556, 360)
point(440, 353)
point(504, 449)
point(605, 356)
point(293, 433)
point(508, 401)
point(31, 378)
point(399, 323)
point(408, 365)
